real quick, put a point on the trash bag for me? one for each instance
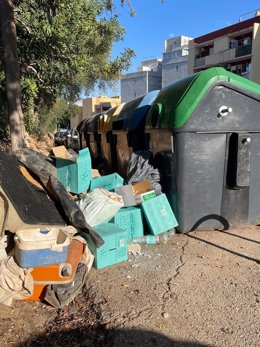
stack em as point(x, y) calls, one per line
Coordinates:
point(38, 163)
point(40, 166)
point(60, 295)
point(163, 162)
point(140, 168)
point(100, 206)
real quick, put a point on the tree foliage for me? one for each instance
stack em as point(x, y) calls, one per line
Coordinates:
point(64, 49)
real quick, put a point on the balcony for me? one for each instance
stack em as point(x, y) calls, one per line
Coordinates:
point(243, 50)
point(199, 62)
point(227, 55)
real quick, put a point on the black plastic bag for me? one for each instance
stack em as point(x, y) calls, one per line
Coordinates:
point(140, 168)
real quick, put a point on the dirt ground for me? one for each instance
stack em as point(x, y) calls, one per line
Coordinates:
point(200, 289)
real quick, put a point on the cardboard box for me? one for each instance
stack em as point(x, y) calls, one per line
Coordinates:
point(131, 220)
point(159, 215)
point(73, 171)
point(131, 193)
point(115, 248)
point(109, 182)
point(145, 196)
point(95, 173)
point(142, 187)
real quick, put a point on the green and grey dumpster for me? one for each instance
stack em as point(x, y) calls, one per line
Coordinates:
point(108, 145)
point(83, 131)
point(94, 137)
point(128, 129)
point(208, 126)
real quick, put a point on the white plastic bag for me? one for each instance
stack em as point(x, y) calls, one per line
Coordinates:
point(100, 206)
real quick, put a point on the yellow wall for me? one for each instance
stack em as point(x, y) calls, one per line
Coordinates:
point(90, 105)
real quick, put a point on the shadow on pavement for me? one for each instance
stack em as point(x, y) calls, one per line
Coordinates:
point(257, 261)
point(238, 236)
point(101, 337)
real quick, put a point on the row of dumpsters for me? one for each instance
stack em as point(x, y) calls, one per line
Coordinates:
point(204, 135)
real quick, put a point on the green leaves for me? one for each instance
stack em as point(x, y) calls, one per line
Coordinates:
point(65, 47)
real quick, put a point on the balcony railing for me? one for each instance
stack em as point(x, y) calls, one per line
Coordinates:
point(199, 62)
point(243, 50)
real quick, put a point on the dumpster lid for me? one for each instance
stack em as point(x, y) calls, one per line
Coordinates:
point(134, 112)
point(85, 124)
point(140, 112)
point(93, 123)
point(120, 123)
point(175, 103)
point(80, 125)
point(106, 119)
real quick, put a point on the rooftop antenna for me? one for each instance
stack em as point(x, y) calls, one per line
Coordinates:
point(257, 13)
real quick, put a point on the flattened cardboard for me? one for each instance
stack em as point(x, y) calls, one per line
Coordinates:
point(61, 152)
point(131, 193)
point(142, 187)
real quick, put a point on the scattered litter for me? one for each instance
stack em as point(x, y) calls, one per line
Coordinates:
point(134, 249)
point(74, 170)
point(100, 220)
point(99, 206)
point(38, 247)
point(140, 169)
point(165, 315)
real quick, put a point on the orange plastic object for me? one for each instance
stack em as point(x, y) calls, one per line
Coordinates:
point(58, 273)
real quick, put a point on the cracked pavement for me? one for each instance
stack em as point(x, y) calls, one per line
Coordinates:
point(196, 290)
point(199, 288)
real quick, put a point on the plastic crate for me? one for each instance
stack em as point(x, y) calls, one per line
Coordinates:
point(159, 215)
point(130, 219)
point(114, 250)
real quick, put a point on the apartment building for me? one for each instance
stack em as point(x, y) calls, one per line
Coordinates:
point(175, 59)
point(98, 104)
point(89, 106)
point(236, 48)
point(147, 78)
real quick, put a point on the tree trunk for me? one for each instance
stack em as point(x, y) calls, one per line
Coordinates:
point(12, 75)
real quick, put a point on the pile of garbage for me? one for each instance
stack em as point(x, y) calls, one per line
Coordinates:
point(60, 218)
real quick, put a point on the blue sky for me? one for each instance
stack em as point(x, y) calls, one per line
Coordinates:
point(155, 21)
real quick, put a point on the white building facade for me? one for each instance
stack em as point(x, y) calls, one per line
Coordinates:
point(147, 78)
point(175, 59)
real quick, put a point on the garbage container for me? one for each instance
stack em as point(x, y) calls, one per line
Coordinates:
point(82, 142)
point(108, 145)
point(209, 126)
point(84, 136)
point(128, 129)
point(94, 137)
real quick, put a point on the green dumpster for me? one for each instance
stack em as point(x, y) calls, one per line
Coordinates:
point(204, 132)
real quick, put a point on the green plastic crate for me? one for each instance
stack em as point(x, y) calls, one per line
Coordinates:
point(115, 248)
point(159, 215)
point(109, 182)
point(130, 219)
point(75, 176)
